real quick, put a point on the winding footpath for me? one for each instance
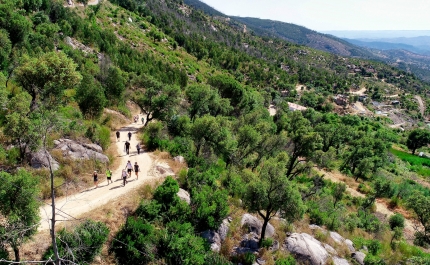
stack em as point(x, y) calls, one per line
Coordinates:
point(72, 206)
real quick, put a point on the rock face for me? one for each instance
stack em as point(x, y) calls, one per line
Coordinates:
point(40, 160)
point(223, 229)
point(75, 150)
point(359, 257)
point(179, 159)
point(350, 245)
point(213, 239)
point(339, 261)
point(184, 195)
point(307, 249)
point(162, 171)
point(337, 238)
point(255, 225)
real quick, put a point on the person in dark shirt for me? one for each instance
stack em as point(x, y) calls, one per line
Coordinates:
point(136, 170)
point(127, 147)
point(117, 136)
point(129, 136)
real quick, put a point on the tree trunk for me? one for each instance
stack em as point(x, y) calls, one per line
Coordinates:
point(147, 119)
point(16, 252)
point(263, 230)
point(413, 151)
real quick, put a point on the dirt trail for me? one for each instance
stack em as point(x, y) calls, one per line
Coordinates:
point(421, 104)
point(92, 198)
point(381, 205)
point(359, 92)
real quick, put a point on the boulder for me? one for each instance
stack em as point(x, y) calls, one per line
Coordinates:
point(337, 238)
point(163, 171)
point(184, 195)
point(75, 150)
point(179, 159)
point(315, 227)
point(40, 160)
point(359, 257)
point(255, 225)
point(213, 239)
point(250, 241)
point(130, 20)
point(307, 249)
point(223, 229)
point(339, 261)
point(350, 245)
point(330, 249)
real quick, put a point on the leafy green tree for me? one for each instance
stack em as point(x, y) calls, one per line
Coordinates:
point(417, 139)
point(5, 49)
point(420, 204)
point(19, 209)
point(206, 100)
point(270, 192)
point(90, 97)
point(210, 207)
point(17, 25)
point(82, 244)
point(115, 85)
point(47, 77)
point(157, 100)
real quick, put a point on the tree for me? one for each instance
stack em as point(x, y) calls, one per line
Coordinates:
point(157, 100)
point(5, 49)
point(114, 85)
point(19, 209)
point(206, 100)
point(270, 192)
point(417, 139)
point(91, 97)
point(45, 78)
point(420, 204)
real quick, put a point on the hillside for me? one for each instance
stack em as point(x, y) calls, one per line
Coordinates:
point(240, 184)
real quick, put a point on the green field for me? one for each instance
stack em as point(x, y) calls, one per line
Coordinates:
point(420, 165)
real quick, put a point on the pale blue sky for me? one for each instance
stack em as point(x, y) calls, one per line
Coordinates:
point(324, 15)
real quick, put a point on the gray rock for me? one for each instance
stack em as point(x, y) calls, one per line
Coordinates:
point(75, 150)
point(130, 20)
point(223, 229)
point(275, 246)
point(255, 225)
point(213, 239)
point(350, 245)
point(315, 227)
point(307, 249)
point(163, 171)
point(339, 261)
point(261, 261)
point(337, 238)
point(330, 249)
point(40, 160)
point(250, 241)
point(184, 195)
point(179, 159)
point(359, 257)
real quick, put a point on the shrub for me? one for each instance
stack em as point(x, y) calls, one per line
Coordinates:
point(396, 220)
point(267, 243)
point(286, 261)
point(374, 247)
point(372, 260)
point(82, 244)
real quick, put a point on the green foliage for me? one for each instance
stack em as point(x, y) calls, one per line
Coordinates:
point(99, 134)
point(286, 261)
point(373, 260)
point(396, 220)
point(82, 244)
point(152, 135)
point(417, 139)
point(19, 208)
point(90, 97)
point(115, 85)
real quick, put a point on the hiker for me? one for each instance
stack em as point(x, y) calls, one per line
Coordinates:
point(136, 170)
point(136, 118)
point(138, 148)
point(109, 176)
point(117, 136)
point(127, 147)
point(96, 179)
point(129, 136)
point(124, 177)
point(143, 120)
point(129, 168)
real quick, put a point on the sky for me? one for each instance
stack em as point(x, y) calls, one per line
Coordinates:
point(327, 15)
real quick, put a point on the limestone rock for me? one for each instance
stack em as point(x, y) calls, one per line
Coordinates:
point(255, 225)
point(184, 195)
point(359, 257)
point(350, 245)
point(250, 241)
point(40, 160)
point(179, 159)
point(307, 249)
point(213, 239)
point(130, 20)
point(337, 238)
point(339, 261)
point(330, 249)
point(223, 229)
point(75, 150)
point(163, 171)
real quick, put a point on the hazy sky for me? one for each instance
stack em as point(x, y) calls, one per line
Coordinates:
point(324, 15)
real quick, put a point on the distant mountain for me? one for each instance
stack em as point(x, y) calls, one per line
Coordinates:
point(199, 5)
point(381, 45)
point(377, 34)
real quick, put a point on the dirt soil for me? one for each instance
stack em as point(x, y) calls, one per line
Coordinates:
point(421, 104)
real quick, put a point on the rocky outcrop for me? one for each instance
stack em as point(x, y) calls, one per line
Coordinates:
point(339, 261)
point(184, 195)
point(179, 159)
point(359, 257)
point(162, 171)
point(255, 225)
point(307, 249)
point(248, 244)
point(75, 150)
point(224, 228)
point(337, 238)
point(213, 239)
point(350, 245)
point(40, 160)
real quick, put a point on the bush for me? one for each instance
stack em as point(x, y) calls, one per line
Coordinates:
point(82, 244)
point(286, 261)
point(396, 220)
point(372, 260)
point(374, 247)
point(152, 135)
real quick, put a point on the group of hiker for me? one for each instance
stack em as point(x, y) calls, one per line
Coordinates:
point(126, 173)
point(136, 119)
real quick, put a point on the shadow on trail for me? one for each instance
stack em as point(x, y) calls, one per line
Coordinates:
point(116, 187)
